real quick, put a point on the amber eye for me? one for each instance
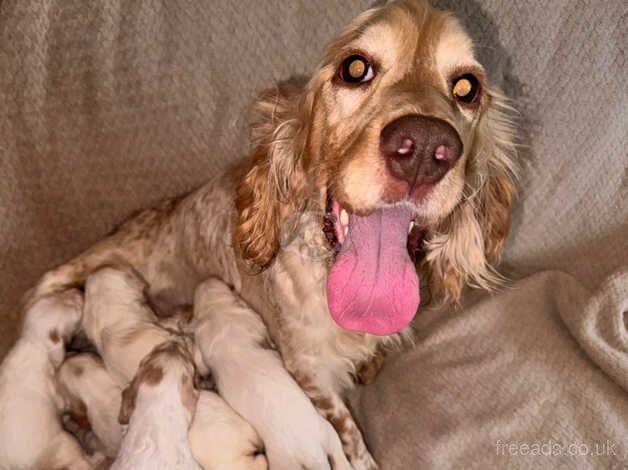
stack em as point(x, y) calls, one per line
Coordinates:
point(356, 69)
point(466, 88)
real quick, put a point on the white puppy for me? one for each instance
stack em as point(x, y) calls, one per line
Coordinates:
point(90, 391)
point(31, 435)
point(251, 377)
point(124, 329)
point(158, 406)
point(119, 322)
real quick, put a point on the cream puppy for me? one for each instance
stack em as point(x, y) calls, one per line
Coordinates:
point(158, 406)
point(119, 322)
point(251, 377)
point(31, 435)
point(90, 391)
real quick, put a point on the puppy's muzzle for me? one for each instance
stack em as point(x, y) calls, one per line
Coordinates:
point(419, 150)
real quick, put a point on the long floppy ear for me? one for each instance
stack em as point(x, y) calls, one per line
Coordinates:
point(127, 405)
point(269, 191)
point(148, 374)
point(468, 244)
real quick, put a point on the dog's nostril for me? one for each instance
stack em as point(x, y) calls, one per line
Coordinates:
point(406, 147)
point(442, 154)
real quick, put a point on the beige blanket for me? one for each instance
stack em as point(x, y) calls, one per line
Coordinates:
point(108, 106)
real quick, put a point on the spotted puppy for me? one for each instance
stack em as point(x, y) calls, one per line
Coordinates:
point(93, 396)
point(158, 406)
point(119, 322)
point(31, 434)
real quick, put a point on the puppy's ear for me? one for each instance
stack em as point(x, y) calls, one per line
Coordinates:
point(129, 396)
point(270, 189)
point(148, 374)
point(468, 244)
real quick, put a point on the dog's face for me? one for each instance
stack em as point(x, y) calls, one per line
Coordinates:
point(398, 124)
point(401, 94)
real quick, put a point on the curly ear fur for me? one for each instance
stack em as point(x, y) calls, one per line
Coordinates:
point(467, 245)
point(269, 190)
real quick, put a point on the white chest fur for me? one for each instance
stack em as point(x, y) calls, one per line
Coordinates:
point(306, 332)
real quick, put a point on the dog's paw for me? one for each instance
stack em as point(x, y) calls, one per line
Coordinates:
point(314, 447)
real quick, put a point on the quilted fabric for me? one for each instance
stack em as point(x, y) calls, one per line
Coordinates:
point(108, 107)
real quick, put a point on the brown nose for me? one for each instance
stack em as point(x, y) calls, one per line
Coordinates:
point(420, 149)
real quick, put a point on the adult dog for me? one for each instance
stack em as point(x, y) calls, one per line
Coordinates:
point(393, 164)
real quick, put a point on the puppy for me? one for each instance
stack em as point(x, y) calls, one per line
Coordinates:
point(252, 379)
point(93, 395)
point(31, 435)
point(158, 406)
point(119, 322)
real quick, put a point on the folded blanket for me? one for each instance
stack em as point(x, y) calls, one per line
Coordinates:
point(505, 384)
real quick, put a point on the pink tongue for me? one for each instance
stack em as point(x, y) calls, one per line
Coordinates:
point(373, 286)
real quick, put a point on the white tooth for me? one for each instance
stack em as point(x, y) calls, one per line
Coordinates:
point(344, 217)
point(346, 231)
point(411, 226)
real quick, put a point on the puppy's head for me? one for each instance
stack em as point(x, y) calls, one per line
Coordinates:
point(168, 367)
point(53, 320)
point(400, 142)
point(81, 375)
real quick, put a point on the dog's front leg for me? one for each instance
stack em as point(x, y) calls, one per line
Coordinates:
point(332, 407)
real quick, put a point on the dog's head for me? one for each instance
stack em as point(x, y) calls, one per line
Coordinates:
point(400, 141)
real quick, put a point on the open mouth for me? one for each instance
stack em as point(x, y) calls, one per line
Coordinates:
point(336, 228)
point(373, 286)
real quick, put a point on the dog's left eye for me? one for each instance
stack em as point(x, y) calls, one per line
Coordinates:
point(356, 69)
point(466, 88)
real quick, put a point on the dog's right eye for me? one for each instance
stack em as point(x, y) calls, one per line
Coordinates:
point(356, 69)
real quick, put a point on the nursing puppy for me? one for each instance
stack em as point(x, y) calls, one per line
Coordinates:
point(119, 322)
point(234, 344)
point(93, 395)
point(158, 406)
point(31, 434)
